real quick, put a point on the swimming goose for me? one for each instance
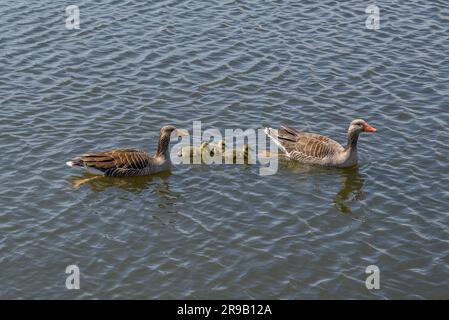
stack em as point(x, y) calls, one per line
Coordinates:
point(193, 152)
point(231, 156)
point(218, 148)
point(313, 148)
point(130, 162)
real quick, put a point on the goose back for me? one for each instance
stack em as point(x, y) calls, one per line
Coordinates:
point(120, 162)
point(310, 147)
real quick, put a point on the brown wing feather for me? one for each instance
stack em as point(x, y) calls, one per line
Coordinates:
point(307, 146)
point(118, 161)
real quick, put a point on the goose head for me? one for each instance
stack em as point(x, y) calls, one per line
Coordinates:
point(356, 127)
point(168, 130)
point(164, 139)
point(221, 145)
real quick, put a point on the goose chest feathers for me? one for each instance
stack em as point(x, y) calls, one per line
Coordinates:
point(312, 148)
point(129, 162)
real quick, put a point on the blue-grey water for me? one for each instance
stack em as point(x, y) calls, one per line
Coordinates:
point(224, 231)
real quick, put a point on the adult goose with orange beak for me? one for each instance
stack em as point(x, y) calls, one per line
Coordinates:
point(130, 162)
point(312, 148)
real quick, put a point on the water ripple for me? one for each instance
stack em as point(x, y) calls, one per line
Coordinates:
point(224, 231)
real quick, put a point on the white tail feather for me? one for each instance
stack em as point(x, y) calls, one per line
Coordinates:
point(272, 133)
point(70, 163)
point(73, 164)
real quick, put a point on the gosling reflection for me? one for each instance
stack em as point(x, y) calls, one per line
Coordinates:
point(351, 189)
point(131, 184)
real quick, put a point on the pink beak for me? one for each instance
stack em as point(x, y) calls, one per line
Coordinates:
point(368, 128)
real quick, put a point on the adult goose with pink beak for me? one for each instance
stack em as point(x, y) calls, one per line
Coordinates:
point(312, 148)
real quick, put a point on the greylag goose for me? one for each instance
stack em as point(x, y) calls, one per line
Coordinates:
point(218, 148)
point(316, 149)
point(231, 156)
point(130, 162)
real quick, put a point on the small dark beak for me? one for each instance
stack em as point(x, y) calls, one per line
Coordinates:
point(181, 133)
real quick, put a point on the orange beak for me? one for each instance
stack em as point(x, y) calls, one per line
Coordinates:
point(368, 128)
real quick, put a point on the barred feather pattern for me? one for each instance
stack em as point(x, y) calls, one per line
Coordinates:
point(128, 162)
point(307, 147)
point(120, 162)
point(313, 148)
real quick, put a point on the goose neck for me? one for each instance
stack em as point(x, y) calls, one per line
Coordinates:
point(163, 146)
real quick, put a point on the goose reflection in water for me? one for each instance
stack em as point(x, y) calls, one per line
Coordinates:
point(351, 189)
point(132, 184)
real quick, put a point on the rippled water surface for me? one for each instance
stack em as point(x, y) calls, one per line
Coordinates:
point(224, 231)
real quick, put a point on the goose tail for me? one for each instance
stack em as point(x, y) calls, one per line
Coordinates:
point(274, 136)
point(75, 163)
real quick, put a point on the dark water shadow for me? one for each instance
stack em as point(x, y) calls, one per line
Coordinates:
point(131, 184)
point(351, 182)
point(351, 189)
